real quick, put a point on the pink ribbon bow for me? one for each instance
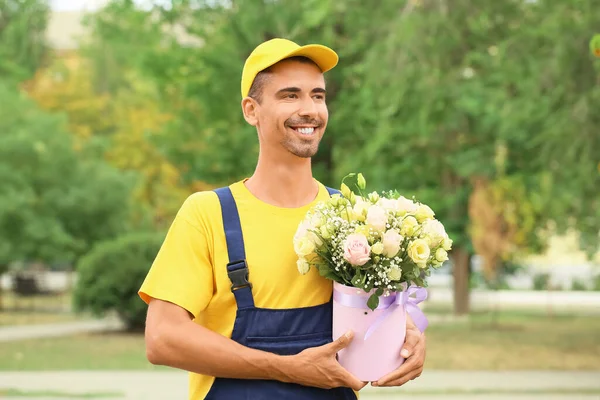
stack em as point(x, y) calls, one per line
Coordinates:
point(389, 303)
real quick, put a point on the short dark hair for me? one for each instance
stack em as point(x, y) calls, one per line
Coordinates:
point(262, 77)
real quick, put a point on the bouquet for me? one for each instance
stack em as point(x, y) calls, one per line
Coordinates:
point(378, 249)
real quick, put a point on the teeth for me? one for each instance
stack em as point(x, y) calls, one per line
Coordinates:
point(306, 131)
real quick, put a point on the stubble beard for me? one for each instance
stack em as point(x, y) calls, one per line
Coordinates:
point(301, 148)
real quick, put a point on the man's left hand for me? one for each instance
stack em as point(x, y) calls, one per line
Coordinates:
point(414, 354)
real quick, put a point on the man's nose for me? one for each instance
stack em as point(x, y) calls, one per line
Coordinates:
point(308, 107)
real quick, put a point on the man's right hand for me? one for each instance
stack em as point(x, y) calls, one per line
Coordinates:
point(318, 366)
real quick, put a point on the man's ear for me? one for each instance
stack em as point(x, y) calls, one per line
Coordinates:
point(250, 110)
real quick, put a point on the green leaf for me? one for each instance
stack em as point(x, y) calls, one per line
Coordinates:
point(373, 301)
point(357, 279)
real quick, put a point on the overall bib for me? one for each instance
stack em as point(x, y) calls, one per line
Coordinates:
point(284, 332)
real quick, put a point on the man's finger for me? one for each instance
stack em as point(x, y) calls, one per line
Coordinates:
point(397, 374)
point(404, 379)
point(342, 342)
point(351, 381)
point(410, 342)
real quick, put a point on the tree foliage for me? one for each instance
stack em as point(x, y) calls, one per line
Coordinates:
point(55, 202)
point(22, 37)
point(111, 274)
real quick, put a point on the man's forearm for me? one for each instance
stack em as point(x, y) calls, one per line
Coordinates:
point(194, 348)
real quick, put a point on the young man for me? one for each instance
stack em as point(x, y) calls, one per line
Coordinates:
point(226, 301)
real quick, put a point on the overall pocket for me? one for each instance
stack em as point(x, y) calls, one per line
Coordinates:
point(288, 345)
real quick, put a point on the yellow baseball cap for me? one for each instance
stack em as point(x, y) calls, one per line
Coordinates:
point(275, 50)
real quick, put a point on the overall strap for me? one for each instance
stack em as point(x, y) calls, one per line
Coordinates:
point(237, 268)
point(332, 191)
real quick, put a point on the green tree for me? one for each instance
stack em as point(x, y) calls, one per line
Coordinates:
point(111, 274)
point(22, 37)
point(55, 202)
point(450, 88)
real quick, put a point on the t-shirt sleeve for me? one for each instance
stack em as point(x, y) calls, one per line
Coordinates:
point(182, 271)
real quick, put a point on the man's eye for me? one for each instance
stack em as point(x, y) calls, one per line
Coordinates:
point(320, 97)
point(292, 95)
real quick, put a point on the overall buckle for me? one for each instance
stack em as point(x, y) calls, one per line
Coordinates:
point(238, 274)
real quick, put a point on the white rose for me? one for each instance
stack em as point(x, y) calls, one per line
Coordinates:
point(325, 232)
point(434, 232)
point(409, 224)
point(377, 218)
point(419, 252)
point(360, 209)
point(304, 246)
point(405, 205)
point(304, 231)
point(424, 213)
point(447, 243)
point(394, 274)
point(391, 243)
point(389, 204)
point(317, 220)
point(377, 248)
point(303, 266)
point(441, 255)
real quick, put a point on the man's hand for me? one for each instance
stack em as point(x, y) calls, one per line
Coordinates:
point(414, 353)
point(318, 366)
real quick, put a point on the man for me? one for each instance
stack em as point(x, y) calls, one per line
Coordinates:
point(225, 299)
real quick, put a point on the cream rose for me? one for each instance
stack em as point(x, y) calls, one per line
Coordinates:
point(317, 220)
point(408, 225)
point(377, 218)
point(303, 266)
point(391, 243)
point(405, 205)
point(388, 204)
point(360, 209)
point(424, 213)
point(447, 244)
point(394, 274)
point(325, 233)
point(377, 248)
point(441, 255)
point(304, 230)
point(434, 232)
point(419, 252)
point(356, 249)
point(304, 246)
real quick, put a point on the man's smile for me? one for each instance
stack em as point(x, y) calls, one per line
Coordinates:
point(305, 130)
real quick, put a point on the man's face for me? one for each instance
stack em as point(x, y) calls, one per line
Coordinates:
point(293, 114)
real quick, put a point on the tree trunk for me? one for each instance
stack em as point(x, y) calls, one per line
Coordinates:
point(460, 274)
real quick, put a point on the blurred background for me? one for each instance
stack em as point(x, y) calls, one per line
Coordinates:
point(112, 112)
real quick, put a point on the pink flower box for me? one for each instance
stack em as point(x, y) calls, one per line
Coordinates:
point(378, 334)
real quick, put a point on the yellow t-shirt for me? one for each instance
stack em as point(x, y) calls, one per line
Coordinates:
point(190, 268)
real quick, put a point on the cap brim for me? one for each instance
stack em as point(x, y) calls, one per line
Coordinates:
point(323, 56)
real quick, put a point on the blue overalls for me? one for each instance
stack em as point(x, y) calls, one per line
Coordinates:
point(284, 332)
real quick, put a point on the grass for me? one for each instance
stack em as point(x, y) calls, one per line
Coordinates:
point(97, 351)
point(516, 340)
point(511, 341)
point(44, 303)
point(38, 309)
point(28, 318)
